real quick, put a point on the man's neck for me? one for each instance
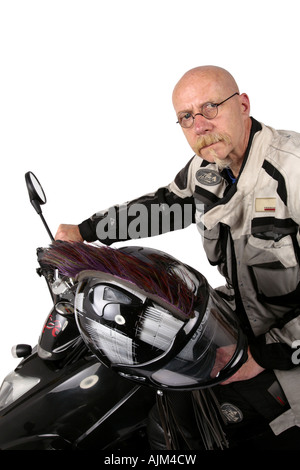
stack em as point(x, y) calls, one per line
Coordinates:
point(238, 161)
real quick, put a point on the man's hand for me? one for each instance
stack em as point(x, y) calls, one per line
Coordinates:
point(68, 233)
point(247, 371)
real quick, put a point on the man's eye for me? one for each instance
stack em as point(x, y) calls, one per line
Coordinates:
point(209, 106)
point(186, 117)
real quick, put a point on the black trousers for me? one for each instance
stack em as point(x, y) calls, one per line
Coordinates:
point(248, 407)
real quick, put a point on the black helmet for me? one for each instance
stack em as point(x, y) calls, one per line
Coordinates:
point(154, 319)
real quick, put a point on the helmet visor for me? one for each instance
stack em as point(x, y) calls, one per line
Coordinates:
point(146, 342)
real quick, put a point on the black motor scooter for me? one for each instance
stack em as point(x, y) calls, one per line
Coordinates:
point(60, 396)
point(68, 394)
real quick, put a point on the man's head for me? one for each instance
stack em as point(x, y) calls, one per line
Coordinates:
point(222, 139)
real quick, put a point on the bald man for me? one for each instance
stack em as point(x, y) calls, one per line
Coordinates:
point(224, 139)
point(241, 188)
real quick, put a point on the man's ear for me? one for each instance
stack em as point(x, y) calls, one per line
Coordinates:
point(245, 104)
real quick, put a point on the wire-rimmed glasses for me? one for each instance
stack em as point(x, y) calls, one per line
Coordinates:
point(208, 110)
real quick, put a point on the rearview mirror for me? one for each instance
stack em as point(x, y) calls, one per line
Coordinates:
point(37, 196)
point(36, 193)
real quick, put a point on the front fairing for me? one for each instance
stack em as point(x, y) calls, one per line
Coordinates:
point(66, 402)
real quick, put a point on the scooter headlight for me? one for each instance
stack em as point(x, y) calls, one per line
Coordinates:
point(14, 386)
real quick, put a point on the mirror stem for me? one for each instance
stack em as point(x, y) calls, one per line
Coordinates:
point(46, 226)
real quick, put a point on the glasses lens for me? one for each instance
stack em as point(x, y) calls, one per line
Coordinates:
point(185, 119)
point(209, 110)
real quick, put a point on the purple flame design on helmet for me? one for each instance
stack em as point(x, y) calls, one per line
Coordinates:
point(156, 277)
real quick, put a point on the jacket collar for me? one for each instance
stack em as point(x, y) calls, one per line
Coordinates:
point(225, 209)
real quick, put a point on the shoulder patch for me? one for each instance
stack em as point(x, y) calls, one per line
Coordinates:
point(208, 177)
point(232, 413)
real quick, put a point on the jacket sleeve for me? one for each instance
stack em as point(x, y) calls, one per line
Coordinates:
point(147, 216)
point(169, 208)
point(272, 356)
point(276, 348)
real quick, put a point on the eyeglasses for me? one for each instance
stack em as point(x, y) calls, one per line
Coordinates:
point(208, 110)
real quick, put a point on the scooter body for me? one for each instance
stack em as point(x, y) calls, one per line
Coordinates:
point(60, 396)
point(81, 405)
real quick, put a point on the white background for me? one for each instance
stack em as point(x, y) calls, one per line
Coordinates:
point(85, 103)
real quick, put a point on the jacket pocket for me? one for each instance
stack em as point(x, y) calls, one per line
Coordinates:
point(274, 265)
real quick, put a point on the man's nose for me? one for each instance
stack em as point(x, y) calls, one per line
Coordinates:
point(202, 125)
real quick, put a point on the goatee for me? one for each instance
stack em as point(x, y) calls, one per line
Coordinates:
point(209, 139)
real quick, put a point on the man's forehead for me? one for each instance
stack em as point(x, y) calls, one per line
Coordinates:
point(203, 84)
point(195, 93)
